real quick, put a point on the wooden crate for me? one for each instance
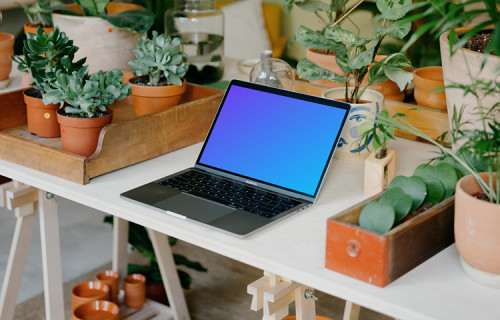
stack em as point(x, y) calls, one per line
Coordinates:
point(432, 122)
point(381, 259)
point(127, 140)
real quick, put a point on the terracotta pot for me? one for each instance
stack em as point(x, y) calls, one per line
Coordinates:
point(157, 293)
point(426, 80)
point(148, 99)
point(359, 113)
point(81, 135)
point(456, 70)
point(99, 309)
point(105, 46)
point(87, 292)
point(6, 51)
point(477, 223)
point(134, 286)
point(30, 28)
point(42, 119)
point(328, 62)
point(111, 278)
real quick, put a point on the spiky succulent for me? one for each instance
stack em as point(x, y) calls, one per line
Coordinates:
point(161, 59)
point(46, 54)
point(84, 95)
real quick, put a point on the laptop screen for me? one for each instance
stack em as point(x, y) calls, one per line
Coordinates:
point(274, 136)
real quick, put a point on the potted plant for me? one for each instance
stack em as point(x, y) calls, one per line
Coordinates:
point(84, 102)
point(45, 55)
point(39, 15)
point(139, 240)
point(461, 62)
point(104, 31)
point(357, 58)
point(328, 14)
point(159, 69)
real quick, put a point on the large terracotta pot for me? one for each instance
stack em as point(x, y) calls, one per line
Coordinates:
point(105, 46)
point(81, 135)
point(42, 119)
point(426, 80)
point(477, 224)
point(456, 70)
point(6, 51)
point(328, 62)
point(148, 99)
point(346, 148)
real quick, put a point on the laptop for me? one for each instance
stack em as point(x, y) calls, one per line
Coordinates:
point(264, 158)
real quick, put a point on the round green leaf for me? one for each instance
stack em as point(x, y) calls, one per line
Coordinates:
point(377, 217)
point(400, 201)
point(413, 186)
point(435, 191)
point(448, 177)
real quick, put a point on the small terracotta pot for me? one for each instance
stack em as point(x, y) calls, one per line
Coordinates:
point(42, 119)
point(328, 62)
point(29, 28)
point(134, 286)
point(426, 80)
point(81, 135)
point(87, 292)
point(477, 223)
point(157, 293)
point(6, 51)
point(99, 309)
point(111, 278)
point(148, 99)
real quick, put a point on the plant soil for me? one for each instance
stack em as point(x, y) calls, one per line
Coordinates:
point(478, 42)
point(34, 93)
point(98, 114)
point(144, 81)
point(482, 196)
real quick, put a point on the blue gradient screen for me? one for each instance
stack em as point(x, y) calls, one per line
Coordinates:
point(274, 138)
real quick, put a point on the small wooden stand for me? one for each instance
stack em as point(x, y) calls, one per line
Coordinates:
point(379, 172)
point(274, 294)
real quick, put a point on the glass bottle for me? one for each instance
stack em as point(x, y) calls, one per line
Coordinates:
point(272, 72)
point(201, 27)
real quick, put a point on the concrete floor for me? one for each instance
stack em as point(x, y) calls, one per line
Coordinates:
point(86, 243)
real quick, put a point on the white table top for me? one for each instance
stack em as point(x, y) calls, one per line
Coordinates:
point(294, 247)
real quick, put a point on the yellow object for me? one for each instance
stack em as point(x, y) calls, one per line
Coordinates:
point(272, 14)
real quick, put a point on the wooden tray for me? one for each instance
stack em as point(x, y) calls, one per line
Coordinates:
point(432, 122)
point(381, 259)
point(127, 140)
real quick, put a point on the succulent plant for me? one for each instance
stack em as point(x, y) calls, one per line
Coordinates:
point(38, 13)
point(86, 96)
point(161, 59)
point(47, 54)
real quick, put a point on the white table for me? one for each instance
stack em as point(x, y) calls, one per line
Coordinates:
point(295, 247)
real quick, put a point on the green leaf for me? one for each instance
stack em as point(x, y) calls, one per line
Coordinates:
point(312, 39)
point(400, 76)
point(310, 71)
point(313, 5)
point(139, 21)
point(181, 260)
point(435, 191)
point(396, 30)
point(377, 217)
point(93, 8)
point(393, 9)
point(443, 172)
point(400, 201)
point(363, 59)
point(413, 186)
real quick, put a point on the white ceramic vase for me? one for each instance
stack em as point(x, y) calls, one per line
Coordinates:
point(360, 112)
point(106, 47)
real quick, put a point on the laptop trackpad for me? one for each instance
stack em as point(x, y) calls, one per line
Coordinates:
point(193, 207)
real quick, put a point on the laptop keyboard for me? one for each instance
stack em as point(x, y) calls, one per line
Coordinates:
point(232, 194)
